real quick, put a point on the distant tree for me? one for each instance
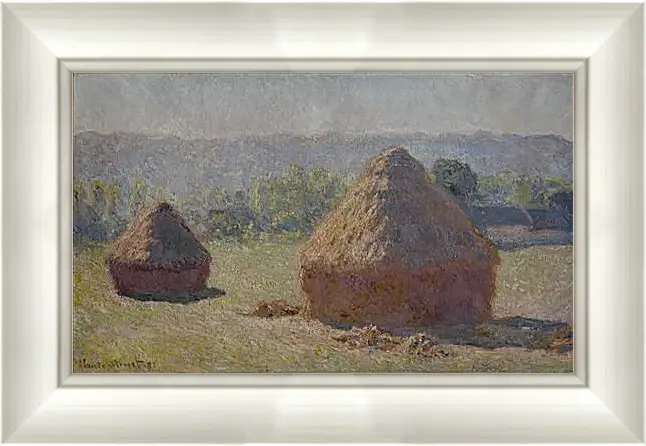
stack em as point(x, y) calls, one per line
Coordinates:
point(161, 193)
point(224, 224)
point(522, 195)
point(511, 189)
point(112, 221)
point(320, 193)
point(96, 213)
point(224, 199)
point(258, 202)
point(491, 191)
point(556, 184)
point(97, 195)
point(287, 199)
point(138, 197)
point(112, 195)
point(79, 194)
point(555, 193)
point(240, 198)
point(456, 177)
point(563, 200)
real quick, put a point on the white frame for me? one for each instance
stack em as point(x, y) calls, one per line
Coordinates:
point(602, 42)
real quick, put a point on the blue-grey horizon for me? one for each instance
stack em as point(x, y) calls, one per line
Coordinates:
point(229, 104)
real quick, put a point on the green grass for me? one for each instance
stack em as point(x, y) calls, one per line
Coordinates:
point(113, 333)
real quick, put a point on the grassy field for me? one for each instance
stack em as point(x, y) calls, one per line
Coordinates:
point(118, 334)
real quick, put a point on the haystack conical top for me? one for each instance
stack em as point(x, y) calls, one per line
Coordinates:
point(158, 237)
point(394, 215)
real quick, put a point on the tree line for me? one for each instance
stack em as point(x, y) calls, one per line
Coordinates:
point(292, 202)
point(507, 188)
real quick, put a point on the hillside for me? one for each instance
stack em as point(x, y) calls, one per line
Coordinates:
point(182, 165)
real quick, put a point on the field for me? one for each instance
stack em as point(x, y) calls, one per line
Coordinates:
point(118, 334)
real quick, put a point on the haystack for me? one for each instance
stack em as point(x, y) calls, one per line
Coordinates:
point(397, 252)
point(158, 254)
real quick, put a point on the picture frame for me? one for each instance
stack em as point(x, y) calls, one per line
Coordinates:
point(43, 44)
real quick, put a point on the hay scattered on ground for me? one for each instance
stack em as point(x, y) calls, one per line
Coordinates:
point(370, 336)
point(275, 308)
point(439, 341)
point(419, 344)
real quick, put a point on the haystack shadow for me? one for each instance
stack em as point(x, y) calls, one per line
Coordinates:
point(514, 238)
point(178, 297)
point(510, 246)
point(514, 331)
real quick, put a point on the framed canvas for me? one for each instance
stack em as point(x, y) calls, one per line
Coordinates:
point(43, 44)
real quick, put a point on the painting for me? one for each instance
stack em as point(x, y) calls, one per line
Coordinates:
point(372, 222)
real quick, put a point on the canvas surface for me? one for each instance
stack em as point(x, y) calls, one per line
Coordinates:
point(397, 222)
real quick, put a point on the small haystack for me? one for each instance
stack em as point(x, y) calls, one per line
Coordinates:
point(397, 252)
point(158, 254)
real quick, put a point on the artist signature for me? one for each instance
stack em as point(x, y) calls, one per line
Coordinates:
point(138, 364)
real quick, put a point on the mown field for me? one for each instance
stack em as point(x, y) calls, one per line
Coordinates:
point(118, 334)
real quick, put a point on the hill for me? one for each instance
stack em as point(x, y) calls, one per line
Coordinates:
point(182, 165)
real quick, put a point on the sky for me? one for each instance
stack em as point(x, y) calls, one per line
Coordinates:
point(226, 105)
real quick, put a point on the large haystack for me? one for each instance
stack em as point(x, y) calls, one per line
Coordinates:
point(397, 252)
point(159, 254)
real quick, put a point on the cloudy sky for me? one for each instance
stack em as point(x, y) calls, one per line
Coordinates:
point(216, 105)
